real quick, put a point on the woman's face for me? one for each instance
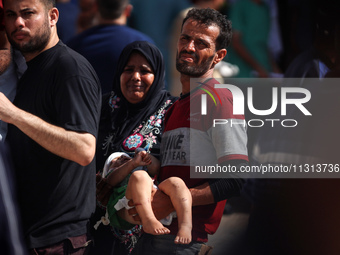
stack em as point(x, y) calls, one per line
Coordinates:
point(137, 78)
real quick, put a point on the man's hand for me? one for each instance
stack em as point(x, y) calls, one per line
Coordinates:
point(103, 190)
point(7, 109)
point(161, 205)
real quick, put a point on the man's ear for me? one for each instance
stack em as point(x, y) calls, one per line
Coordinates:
point(128, 10)
point(54, 16)
point(219, 55)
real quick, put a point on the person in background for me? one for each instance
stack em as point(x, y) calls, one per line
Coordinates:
point(5, 55)
point(275, 43)
point(88, 15)
point(289, 226)
point(250, 51)
point(52, 133)
point(5, 62)
point(102, 44)
point(320, 58)
point(249, 47)
point(12, 66)
point(155, 18)
point(11, 236)
point(67, 24)
point(193, 140)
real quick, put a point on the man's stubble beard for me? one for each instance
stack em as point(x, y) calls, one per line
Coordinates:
point(36, 43)
point(194, 71)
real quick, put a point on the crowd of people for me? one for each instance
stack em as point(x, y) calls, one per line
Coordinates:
point(96, 155)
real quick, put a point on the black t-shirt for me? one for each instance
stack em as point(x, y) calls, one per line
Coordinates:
point(56, 196)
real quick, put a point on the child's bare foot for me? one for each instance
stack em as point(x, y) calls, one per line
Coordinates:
point(183, 235)
point(154, 227)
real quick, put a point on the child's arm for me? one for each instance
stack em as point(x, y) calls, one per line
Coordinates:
point(121, 172)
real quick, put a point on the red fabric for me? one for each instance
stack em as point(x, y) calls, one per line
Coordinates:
point(181, 121)
point(1, 16)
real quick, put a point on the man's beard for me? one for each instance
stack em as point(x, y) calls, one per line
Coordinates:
point(193, 71)
point(36, 43)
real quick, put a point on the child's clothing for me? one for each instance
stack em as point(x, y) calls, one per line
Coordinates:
point(118, 200)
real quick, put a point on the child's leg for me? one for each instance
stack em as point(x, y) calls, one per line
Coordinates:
point(181, 199)
point(139, 189)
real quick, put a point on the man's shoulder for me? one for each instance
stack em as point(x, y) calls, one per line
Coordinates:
point(66, 55)
point(304, 65)
point(66, 62)
point(214, 90)
point(132, 34)
point(119, 33)
point(78, 39)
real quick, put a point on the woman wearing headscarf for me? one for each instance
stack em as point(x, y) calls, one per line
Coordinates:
point(132, 117)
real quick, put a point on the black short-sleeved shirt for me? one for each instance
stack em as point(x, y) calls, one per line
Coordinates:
point(56, 196)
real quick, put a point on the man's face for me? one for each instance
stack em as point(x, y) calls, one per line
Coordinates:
point(196, 48)
point(27, 25)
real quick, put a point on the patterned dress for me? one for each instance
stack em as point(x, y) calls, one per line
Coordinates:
point(146, 135)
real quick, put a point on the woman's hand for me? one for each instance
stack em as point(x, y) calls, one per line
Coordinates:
point(103, 190)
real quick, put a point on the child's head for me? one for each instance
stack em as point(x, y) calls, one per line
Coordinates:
point(118, 161)
point(115, 160)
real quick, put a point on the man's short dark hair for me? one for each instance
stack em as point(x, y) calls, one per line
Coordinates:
point(111, 9)
point(210, 17)
point(49, 4)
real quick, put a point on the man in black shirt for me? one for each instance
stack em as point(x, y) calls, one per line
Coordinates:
point(54, 124)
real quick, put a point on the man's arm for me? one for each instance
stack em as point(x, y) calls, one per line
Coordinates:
point(202, 195)
point(75, 146)
point(228, 187)
point(218, 189)
point(207, 193)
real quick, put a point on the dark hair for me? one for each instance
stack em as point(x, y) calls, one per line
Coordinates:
point(210, 17)
point(49, 4)
point(111, 9)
